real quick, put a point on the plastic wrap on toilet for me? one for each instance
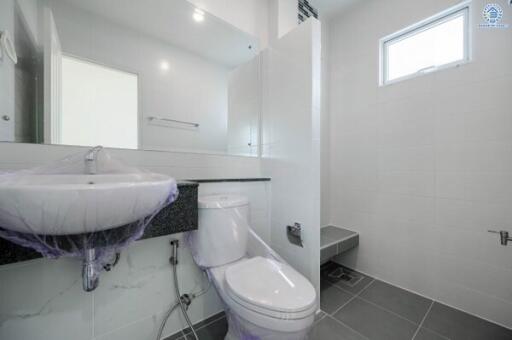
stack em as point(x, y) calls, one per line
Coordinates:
point(105, 243)
point(241, 327)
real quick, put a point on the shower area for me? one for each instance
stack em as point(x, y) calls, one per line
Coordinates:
point(419, 169)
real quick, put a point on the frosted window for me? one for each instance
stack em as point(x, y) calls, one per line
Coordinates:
point(437, 43)
point(99, 105)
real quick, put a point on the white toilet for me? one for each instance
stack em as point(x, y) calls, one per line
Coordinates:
point(264, 299)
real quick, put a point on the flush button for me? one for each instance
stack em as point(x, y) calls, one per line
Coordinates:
point(6, 118)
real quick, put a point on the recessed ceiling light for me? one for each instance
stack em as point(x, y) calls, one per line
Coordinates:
point(198, 15)
point(164, 65)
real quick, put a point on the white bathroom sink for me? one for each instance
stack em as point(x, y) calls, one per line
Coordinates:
point(74, 204)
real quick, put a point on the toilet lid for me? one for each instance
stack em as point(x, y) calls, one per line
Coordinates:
point(269, 285)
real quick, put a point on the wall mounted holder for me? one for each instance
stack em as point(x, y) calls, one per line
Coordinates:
point(294, 234)
point(504, 236)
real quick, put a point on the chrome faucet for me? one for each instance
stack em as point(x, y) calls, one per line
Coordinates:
point(91, 160)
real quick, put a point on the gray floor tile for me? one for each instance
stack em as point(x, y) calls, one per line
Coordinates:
point(456, 325)
point(214, 331)
point(374, 322)
point(330, 329)
point(424, 334)
point(332, 298)
point(406, 304)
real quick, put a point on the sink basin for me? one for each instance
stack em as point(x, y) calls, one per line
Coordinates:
point(75, 204)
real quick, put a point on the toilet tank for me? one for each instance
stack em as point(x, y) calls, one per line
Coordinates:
point(223, 230)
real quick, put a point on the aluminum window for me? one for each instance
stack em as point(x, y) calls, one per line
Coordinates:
point(438, 42)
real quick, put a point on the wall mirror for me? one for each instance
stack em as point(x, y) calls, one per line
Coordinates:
point(151, 75)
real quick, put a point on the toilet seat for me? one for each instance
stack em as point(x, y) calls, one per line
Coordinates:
point(270, 288)
point(263, 317)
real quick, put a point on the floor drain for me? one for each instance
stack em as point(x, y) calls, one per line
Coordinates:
point(347, 278)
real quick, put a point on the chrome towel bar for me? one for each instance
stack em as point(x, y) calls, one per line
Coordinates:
point(153, 118)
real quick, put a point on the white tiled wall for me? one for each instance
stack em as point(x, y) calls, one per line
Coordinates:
point(421, 169)
point(325, 143)
point(291, 143)
point(43, 299)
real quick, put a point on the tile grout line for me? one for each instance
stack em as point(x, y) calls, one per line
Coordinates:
point(346, 303)
point(353, 297)
point(421, 324)
point(387, 310)
point(347, 326)
point(428, 297)
point(343, 305)
point(373, 303)
point(436, 333)
point(423, 320)
point(323, 317)
point(358, 296)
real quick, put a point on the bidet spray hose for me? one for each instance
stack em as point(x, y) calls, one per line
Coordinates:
point(166, 317)
point(182, 300)
point(182, 304)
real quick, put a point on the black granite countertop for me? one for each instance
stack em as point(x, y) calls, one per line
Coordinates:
point(187, 183)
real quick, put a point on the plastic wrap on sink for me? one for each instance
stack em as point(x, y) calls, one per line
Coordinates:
point(16, 227)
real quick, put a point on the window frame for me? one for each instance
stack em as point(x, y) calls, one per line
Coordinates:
point(463, 8)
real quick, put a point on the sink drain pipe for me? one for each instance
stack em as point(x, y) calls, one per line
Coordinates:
point(183, 301)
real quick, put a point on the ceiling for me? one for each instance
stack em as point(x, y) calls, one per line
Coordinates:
point(172, 22)
point(328, 8)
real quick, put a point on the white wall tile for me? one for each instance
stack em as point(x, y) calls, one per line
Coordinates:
point(291, 154)
point(45, 300)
